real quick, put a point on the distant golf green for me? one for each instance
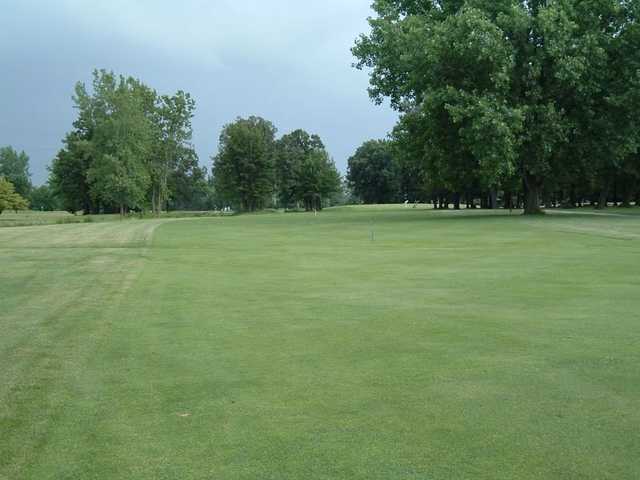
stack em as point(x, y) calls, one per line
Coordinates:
point(361, 343)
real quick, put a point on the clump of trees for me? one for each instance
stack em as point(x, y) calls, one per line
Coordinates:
point(14, 167)
point(530, 101)
point(44, 198)
point(253, 169)
point(374, 173)
point(9, 198)
point(129, 149)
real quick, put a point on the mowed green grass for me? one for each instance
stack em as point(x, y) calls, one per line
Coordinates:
point(363, 343)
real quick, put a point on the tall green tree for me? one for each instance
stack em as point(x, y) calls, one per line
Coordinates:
point(374, 174)
point(44, 198)
point(173, 155)
point(243, 170)
point(130, 148)
point(9, 198)
point(68, 173)
point(316, 180)
point(14, 167)
point(510, 87)
point(305, 174)
point(121, 142)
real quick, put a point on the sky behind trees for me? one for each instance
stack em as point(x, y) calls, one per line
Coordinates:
point(285, 60)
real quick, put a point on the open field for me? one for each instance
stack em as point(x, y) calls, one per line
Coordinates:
point(364, 343)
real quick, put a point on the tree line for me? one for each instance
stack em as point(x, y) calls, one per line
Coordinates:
point(130, 150)
point(15, 180)
point(254, 170)
point(513, 102)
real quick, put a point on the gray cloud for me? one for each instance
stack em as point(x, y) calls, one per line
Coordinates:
point(286, 60)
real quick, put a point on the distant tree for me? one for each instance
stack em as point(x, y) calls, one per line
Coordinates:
point(373, 173)
point(9, 198)
point(68, 173)
point(14, 167)
point(120, 143)
point(130, 148)
point(291, 150)
point(317, 179)
point(243, 170)
point(189, 186)
point(44, 198)
point(409, 150)
point(174, 162)
point(304, 172)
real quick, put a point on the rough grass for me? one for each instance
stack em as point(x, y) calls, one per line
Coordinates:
point(373, 343)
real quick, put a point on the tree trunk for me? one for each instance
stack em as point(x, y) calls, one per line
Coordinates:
point(604, 196)
point(531, 195)
point(493, 199)
point(573, 197)
point(507, 200)
point(153, 199)
point(456, 201)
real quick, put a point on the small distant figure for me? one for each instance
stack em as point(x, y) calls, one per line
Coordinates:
point(406, 203)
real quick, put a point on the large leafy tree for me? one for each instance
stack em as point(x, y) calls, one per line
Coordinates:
point(305, 174)
point(121, 142)
point(174, 161)
point(44, 198)
point(374, 174)
point(409, 151)
point(130, 148)
point(9, 198)
point(317, 179)
point(188, 184)
point(14, 167)
point(243, 170)
point(537, 89)
point(68, 173)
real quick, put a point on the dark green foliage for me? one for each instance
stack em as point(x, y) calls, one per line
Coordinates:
point(305, 174)
point(120, 143)
point(14, 167)
point(68, 173)
point(43, 198)
point(374, 173)
point(244, 167)
point(129, 149)
point(175, 173)
point(539, 96)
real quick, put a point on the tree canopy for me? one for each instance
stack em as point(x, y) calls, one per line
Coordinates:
point(129, 148)
point(14, 167)
point(243, 170)
point(373, 173)
point(253, 169)
point(305, 174)
point(510, 93)
point(9, 198)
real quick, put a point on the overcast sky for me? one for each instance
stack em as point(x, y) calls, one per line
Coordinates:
point(286, 60)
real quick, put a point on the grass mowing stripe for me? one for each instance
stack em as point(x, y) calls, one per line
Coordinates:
point(294, 346)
